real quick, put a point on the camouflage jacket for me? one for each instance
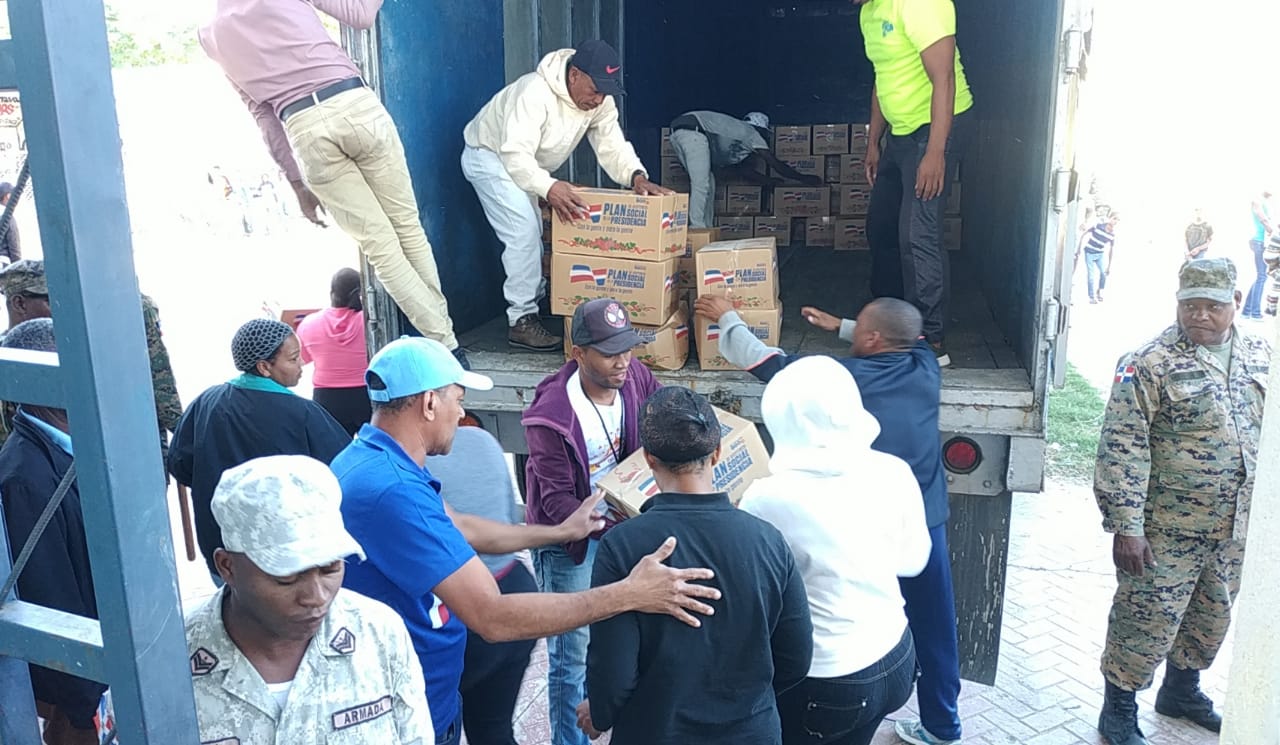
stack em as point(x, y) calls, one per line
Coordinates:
point(1179, 441)
point(360, 682)
point(164, 388)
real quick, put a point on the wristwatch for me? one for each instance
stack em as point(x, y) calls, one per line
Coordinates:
point(634, 175)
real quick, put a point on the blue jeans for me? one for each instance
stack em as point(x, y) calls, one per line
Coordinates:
point(848, 710)
point(1095, 263)
point(931, 612)
point(1253, 303)
point(567, 653)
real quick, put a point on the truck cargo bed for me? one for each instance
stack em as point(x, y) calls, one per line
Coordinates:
point(985, 390)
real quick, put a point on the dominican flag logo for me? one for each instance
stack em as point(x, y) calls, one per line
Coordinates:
point(713, 332)
point(668, 283)
point(439, 613)
point(682, 331)
point(584, 273)
point(595, 212)
point(791, 196)
point(667, 220)
point(648, 487)
point(1124, 373)
point(715, 276)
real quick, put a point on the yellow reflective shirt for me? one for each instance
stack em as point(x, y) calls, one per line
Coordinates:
point(895, 33)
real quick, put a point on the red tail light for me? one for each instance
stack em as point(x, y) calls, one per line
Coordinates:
point(961, 455)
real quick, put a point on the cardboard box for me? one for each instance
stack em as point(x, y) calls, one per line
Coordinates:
point(667, 150)
point(951, 233)
point(792, 142)
point(830, 139)
point(686, 273)
point(721, 197)
point(623, 224)
point(851, 234)
point(294, 316)
point(853, 169)
point(858, 138)
point(854, 199)
point(699, 237)
point(666, 347)
point(766, 324)
point(743, 459)
point(832, 169)
point(736, 228)
point(802, 201)
point(647, 289)
point(744, 200)
point(778, 228)
point(748, 267)
point(673, 174)
point(819, 232)
point(814, 165)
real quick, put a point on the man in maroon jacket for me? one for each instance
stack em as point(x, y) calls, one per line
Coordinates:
point(583, 422)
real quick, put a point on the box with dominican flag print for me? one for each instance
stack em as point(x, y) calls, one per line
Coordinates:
point(743, 459)
point(744, 271)
point(624, 225)
point(647, 289)
point(765, 324)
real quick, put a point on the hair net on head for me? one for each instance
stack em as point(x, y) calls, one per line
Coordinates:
point(256, 341)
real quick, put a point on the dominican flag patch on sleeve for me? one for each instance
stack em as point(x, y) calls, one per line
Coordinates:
point(1124, 372)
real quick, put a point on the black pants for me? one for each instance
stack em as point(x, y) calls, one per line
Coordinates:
point(848, 710)
point(492, 674)
point(350, 406)
point(908, 259)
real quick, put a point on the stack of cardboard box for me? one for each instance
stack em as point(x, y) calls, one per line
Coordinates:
point(627, 248)
point(746, 272)
point(833, 215)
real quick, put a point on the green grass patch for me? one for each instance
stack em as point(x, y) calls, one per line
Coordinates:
point(1075, 421)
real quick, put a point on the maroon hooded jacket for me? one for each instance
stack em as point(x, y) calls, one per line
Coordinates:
point(556, 476)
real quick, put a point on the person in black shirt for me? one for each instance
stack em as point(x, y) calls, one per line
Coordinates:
point(251, 416)
point(655, 682)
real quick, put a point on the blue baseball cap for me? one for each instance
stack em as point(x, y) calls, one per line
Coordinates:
point(413, 364)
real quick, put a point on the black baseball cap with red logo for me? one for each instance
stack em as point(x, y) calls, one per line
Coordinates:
point(602, 64)
point(605, 326)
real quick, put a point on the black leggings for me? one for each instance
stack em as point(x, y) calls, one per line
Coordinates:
point(492, 674)
point(350, 406)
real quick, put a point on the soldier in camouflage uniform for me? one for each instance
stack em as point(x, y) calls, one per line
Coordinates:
point(1174, 478)
point(27, 296)
point(282, 654)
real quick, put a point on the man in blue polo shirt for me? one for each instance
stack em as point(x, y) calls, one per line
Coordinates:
point(424, 565)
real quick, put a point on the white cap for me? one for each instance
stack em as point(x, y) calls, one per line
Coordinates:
point(284, 513)
point(757, 119)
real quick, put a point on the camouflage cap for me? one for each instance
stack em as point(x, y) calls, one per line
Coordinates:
point(1209, 279)
point(283, 512)
point(24, 276)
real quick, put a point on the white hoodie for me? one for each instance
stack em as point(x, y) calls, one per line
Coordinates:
point(853, 516)
point(533, 125)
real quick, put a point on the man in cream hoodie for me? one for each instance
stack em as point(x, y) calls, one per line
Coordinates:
point(526, 131)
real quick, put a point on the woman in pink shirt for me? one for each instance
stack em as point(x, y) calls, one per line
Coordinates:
point(334, 340)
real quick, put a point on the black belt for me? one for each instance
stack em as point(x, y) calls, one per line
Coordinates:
point(324, 94)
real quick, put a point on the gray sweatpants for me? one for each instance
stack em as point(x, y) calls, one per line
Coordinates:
point(694, 153)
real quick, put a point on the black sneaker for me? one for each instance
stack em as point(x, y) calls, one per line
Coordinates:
point(460, 354)
point(528, 333)
point(940, 351)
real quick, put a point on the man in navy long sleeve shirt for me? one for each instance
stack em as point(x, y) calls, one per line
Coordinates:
point(901, 384)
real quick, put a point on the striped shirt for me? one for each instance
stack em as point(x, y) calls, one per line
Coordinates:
point(1100, 239)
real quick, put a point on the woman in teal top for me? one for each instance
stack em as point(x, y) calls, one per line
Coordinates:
point(1262, 227)
point(250, 416)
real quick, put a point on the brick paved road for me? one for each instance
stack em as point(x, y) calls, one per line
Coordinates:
point(1048, 689)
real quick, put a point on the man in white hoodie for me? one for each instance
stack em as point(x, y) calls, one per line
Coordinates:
point(526, 131)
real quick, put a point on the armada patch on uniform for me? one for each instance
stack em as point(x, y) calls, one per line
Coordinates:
point(361, 714)
point(1124, 372)
point(343, 642)
point(223, 741)
point(203, 662)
